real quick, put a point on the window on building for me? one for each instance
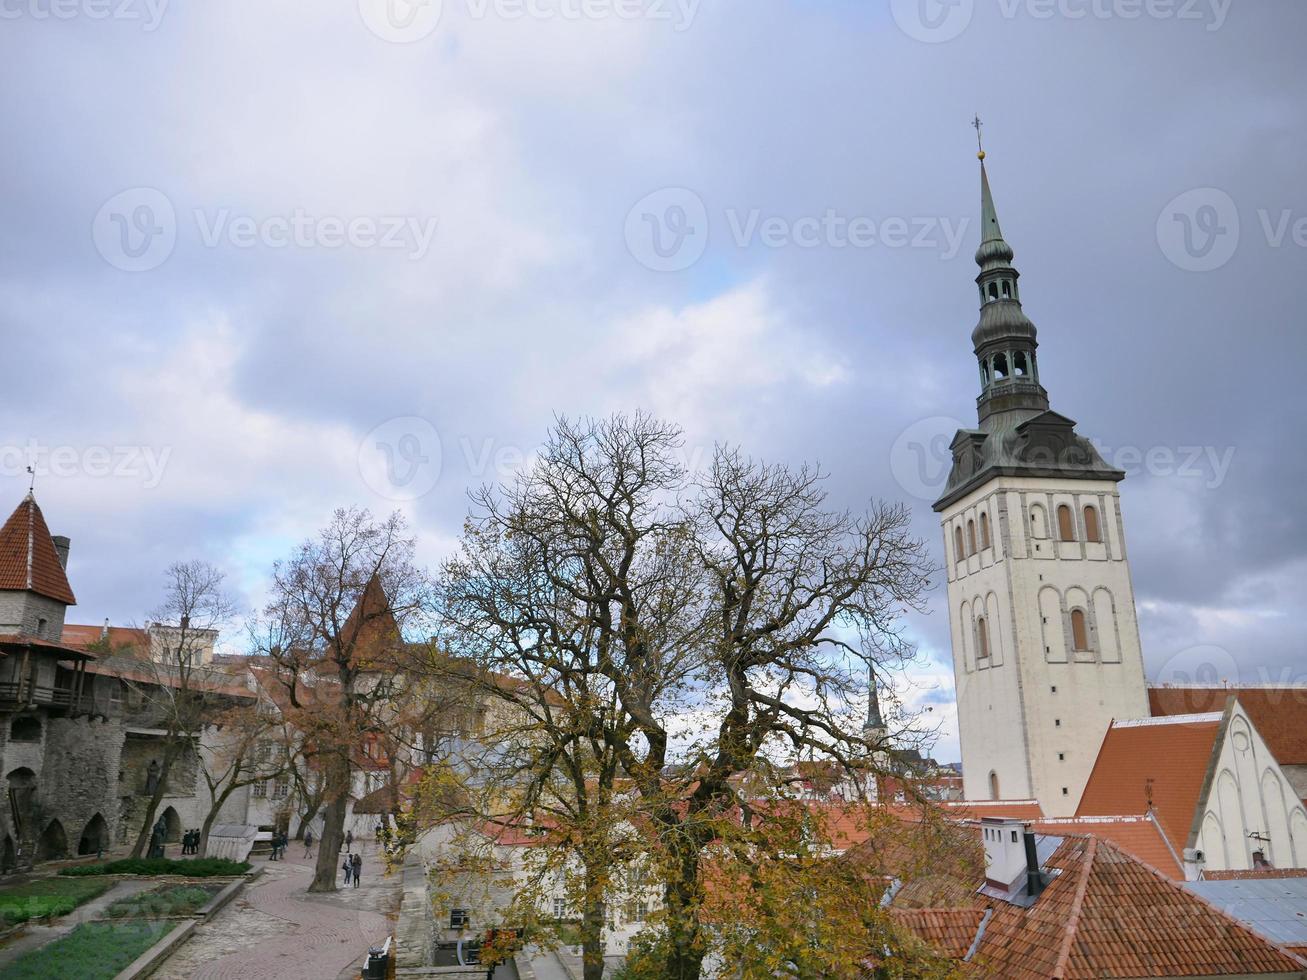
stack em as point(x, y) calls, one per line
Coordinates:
point(971, 537)
point(1057, 722)
point(26, 728)
point(560, 908)
point(459, 918)
point(281, 787)
point(259, 789)
point(1000, 367)
point(1066, 524)
point(984, 530)
point(1061, 757)
point(959, 553)
point(115, 692)
point(1065, 791)
point(993, 786)
point(982, 638)
point(1092, 533)
point(1079, 630)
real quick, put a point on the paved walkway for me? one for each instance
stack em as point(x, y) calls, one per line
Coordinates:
point(275, 930)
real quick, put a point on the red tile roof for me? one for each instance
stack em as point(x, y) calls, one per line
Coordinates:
point(123, 640)
point(1255, 875)
point(951, 931)
point(1106, 915)
point(1278, 713)
point(28, 560)
point(1168, 758)
point(1140, 837)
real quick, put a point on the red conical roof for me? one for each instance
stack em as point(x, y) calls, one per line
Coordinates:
point(28, 560)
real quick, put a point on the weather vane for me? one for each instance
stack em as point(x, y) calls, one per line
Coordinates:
point(31, 485)
point(980, 146)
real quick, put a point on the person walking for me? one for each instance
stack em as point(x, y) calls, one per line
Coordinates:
point(358, 868)
point(348, 867)
point(308, 843)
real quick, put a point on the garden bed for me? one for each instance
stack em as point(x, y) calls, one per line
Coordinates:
point(46, 897)
point(167, 902)
point(196, 868)
point(92, 951)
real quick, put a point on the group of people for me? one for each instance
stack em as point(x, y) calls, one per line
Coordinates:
point(353, 867)
point(191, 842)
point(279, 841)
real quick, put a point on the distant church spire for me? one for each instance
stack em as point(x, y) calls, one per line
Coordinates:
point(874, 728)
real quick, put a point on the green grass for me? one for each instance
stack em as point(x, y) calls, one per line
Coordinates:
point(163, 903)
point(92, 951)
point(195, 868)
point(46, 896)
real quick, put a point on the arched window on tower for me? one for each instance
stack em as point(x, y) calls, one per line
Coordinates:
point(1079, 630)
point(993, 786)
point(1007, 289)
point(1000, 367)
point(984, 530)
point(1092, 532)
point(982, 638)
point(1020, 365)
point(993, 291)
point(958, 553)
point(971, 537)
point(1066, 524)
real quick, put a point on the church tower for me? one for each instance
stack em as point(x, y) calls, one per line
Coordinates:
point(1045, 641)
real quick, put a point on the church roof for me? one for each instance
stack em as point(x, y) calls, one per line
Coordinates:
point(28, 560)
point(1279, 713)
point(1165, 760)
point(1139, 836)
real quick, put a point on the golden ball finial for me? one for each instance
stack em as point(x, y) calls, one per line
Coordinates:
point(980, 155)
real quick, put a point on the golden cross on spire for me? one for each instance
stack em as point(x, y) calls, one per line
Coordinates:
point(980, 146)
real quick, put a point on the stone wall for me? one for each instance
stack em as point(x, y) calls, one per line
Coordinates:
point(22, 612)
point(79, 778)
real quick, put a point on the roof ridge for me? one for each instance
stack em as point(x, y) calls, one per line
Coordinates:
point(1152, 817)
point(1073, 917)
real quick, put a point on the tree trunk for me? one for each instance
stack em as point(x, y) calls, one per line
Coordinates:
point(306, 818)
point(143, 838)
point(210, 817)
point(333, 823)
point(592, 925)
point(683, 899)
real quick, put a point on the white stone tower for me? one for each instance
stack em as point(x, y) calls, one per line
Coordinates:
point(1045, 641)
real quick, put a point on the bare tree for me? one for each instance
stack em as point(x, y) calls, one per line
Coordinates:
point(334, 633)
point(669, 637)
point(180, 691)
point(244, 745)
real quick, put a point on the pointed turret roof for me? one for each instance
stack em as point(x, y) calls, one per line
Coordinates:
point(28, 559)
point(875, 721)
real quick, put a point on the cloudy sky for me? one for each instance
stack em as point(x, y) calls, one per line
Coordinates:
point(259, 259)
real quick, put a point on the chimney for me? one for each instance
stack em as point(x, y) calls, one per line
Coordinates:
point(104, 631)
point(61, 545)
point(1036, 880)
point(1005, 859)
